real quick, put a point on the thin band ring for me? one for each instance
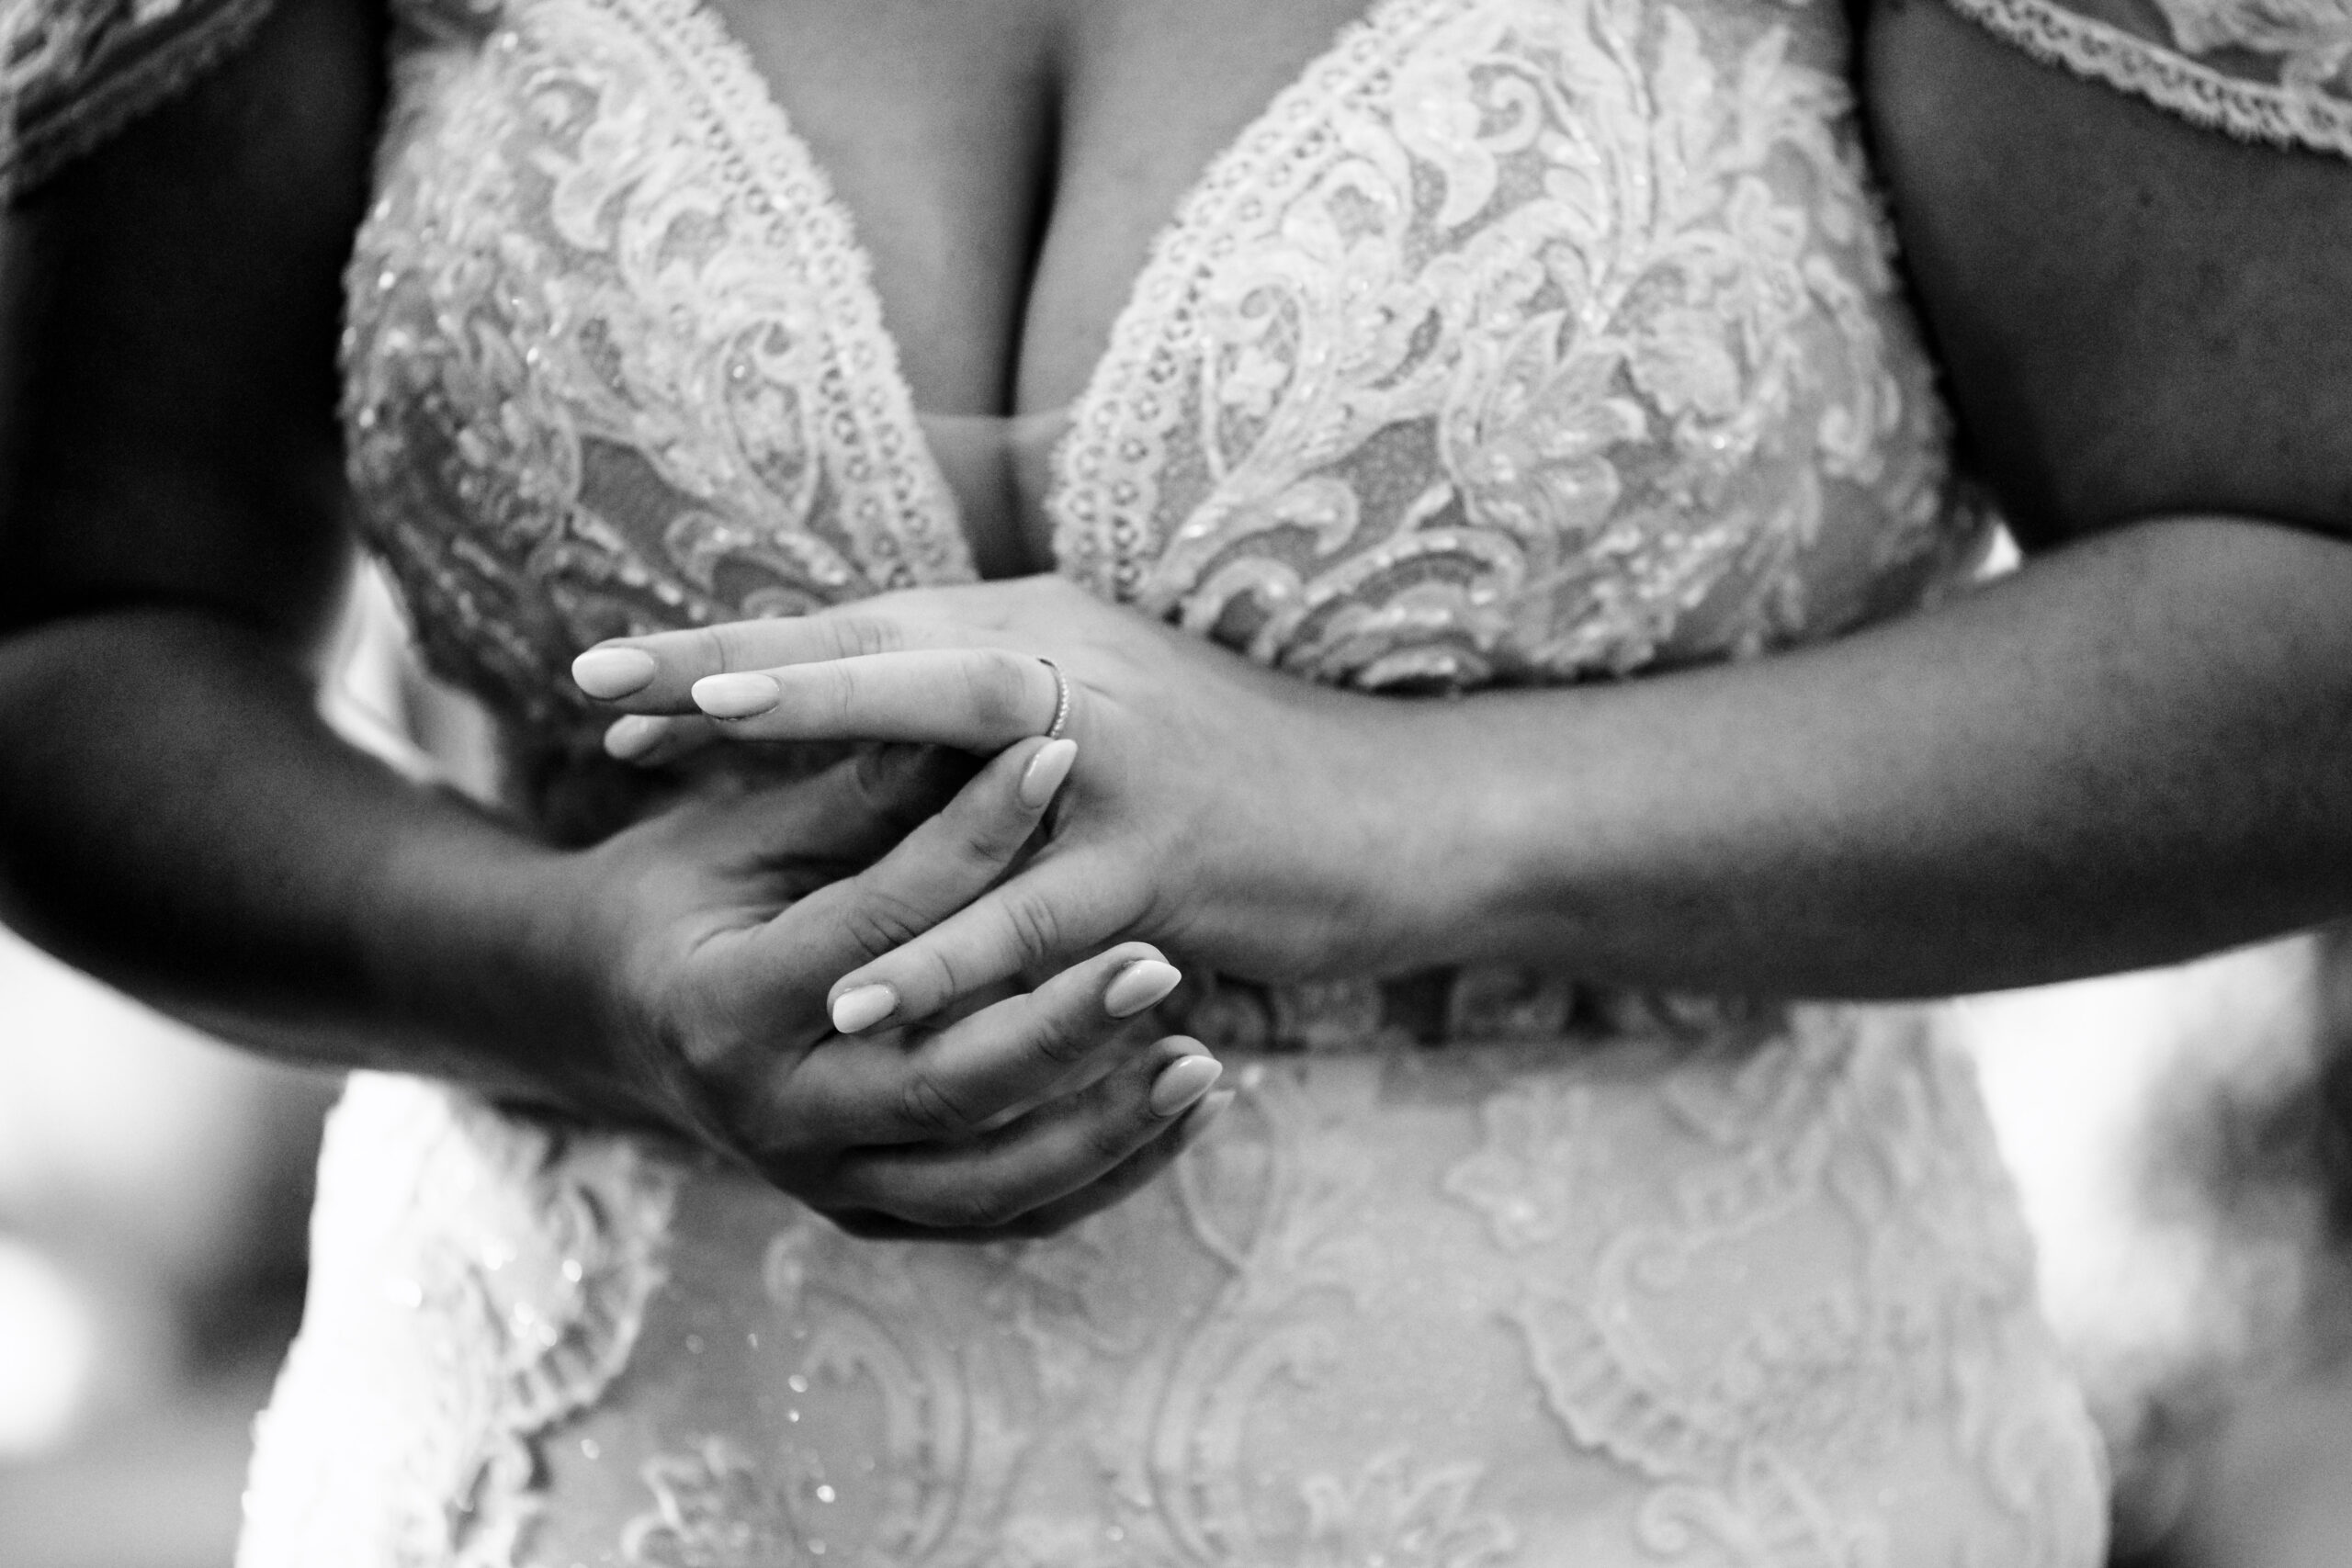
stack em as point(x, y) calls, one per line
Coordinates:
point(1061, 699)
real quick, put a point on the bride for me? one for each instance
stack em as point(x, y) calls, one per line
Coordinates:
point(947, 498)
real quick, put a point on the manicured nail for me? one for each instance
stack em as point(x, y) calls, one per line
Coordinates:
point(864, 1007)
point(1183, 1081)
point(633, 735)
point(610, 672)
point(1138, 986)
point(736, 696)
point(1045, 772)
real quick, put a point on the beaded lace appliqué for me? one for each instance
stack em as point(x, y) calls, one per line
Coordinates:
point(1516, 341)
point(614, 363)
point(1193, 1381)
point(1519, 339)
point(481, 1281)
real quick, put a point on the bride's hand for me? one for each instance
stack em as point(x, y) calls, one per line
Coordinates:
point(712, 972)
point(1247, 819)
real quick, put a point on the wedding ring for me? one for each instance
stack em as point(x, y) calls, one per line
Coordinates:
point(1061, 699)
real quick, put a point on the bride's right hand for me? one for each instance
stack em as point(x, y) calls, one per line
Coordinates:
point(710, 973)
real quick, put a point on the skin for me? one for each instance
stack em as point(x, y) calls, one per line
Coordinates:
point(2132, 751)
point(174, 817)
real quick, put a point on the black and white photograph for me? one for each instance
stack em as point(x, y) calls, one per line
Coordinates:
point(1175, 783)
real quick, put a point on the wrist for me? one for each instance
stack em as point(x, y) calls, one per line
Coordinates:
point(487, 960)
point(1396, 860)
point(1467, 853)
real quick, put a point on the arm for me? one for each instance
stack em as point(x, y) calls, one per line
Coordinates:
point(2138, 748)
point(174, 817)
point(171, 485)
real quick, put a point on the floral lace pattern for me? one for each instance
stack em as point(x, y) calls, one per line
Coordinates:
point(1519, 340)
point(2274, 70)
point(510, 1267)
point(1516, 342)
point(1464, 1310)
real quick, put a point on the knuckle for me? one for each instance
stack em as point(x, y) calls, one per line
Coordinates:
point(841, 691)
point(860, 636)
point(985, 1207)
point(930, 1110)
point(936, 974)
point(997, 687)
point(725, 648)
point(1036, 925)
point(987, 836)
point(1063, 1038)
point(878, 921)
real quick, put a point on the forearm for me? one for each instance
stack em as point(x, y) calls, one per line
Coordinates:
point(174, 817)
point(2134, 750)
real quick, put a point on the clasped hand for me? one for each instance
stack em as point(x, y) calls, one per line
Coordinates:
point(1215, 807)
point(997, 1114)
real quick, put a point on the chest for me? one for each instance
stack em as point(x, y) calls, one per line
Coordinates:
point(1006, 163)
point(1474, 339)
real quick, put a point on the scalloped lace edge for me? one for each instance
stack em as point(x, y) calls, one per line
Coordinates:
point(2102, 51)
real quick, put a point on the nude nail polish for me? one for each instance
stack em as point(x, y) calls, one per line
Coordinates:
point(1183, 1081)
point(1139, 986)
point(1045, 772)
point(864, 1007)
point(610, 672)
point(632, 736)
point(736, 696)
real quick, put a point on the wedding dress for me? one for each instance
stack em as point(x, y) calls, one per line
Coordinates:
point(1516, 341)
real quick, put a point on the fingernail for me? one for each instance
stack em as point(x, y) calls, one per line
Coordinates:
point(1045, 772)
point(610, 672)
point(1138, 986)
point(1183, 1081)
point(864, 1007)
point(632, 736)
point(736, 696)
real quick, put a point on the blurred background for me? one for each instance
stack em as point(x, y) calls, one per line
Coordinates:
point(2182, 1138)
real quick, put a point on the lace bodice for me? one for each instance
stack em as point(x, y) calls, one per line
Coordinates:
point(1517, 339)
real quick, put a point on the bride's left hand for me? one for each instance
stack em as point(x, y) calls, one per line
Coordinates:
point(1249, 821)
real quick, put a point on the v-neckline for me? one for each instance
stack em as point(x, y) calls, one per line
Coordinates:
point(784, 158)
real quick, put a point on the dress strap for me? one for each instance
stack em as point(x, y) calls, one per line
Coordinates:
point(2260, 70)
point(75, 72)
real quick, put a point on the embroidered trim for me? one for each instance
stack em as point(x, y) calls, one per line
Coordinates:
point(122, 77)
point(2251, 111)
point(1105, 490)
point(781, 181)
